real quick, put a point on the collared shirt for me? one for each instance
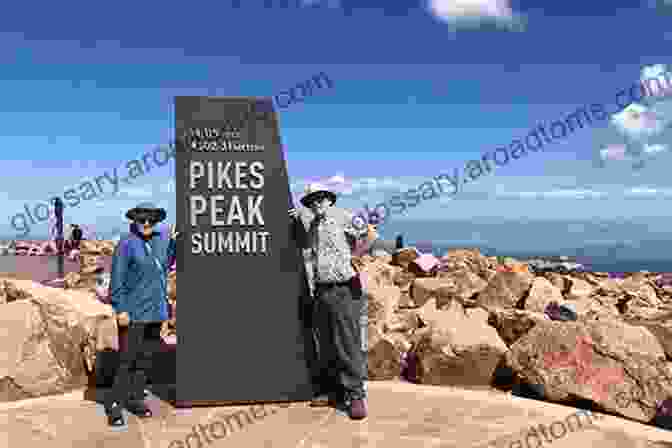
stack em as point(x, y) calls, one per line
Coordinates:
point(331, 240)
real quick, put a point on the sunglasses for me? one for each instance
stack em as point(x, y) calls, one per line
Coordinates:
point(319, 200)
point(142, 218)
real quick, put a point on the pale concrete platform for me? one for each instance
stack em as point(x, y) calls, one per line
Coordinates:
point(401, 415)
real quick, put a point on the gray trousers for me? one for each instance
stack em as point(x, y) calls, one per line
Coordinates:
point(338, 325)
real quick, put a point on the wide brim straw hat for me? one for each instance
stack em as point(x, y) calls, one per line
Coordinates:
point(316, 190)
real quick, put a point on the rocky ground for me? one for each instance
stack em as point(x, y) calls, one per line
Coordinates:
point(473, 323)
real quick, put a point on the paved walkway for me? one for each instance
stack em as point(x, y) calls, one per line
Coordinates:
point(401, 415)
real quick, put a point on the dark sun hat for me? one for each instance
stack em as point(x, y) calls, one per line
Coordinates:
point(316, 191)
point(147, 208)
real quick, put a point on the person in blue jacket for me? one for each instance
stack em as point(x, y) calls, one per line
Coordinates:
point(138, 294)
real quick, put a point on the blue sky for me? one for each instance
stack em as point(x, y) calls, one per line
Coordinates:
point(419, 88)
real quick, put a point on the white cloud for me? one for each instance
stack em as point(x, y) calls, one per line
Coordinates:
point(470, 11)
point(638, 122)
point(614, 152)
point(577, 194)
point(645, 192)
point(643, 125)
point(337, 179)
point(554, 194)
point(357, 186)
point(642, 190)
point(658, 79)
point(620, 152)
point(654, 149)
point(653, 71)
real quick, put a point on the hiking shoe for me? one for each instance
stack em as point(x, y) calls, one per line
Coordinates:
point(139, 408)
point(357, 409)
point(114, 414)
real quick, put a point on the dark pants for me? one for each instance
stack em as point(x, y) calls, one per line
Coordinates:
point(342, 362)
point(136, 346)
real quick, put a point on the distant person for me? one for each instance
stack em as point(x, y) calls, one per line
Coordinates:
point(76, 237)
point(399, 242)
point(139, 295)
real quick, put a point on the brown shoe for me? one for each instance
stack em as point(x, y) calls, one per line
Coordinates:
point(358, 409)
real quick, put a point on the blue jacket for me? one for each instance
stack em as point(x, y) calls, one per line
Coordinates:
point(137, 284)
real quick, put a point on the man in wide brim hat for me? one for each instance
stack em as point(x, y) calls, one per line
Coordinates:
point(327, 235)
point(317, 192)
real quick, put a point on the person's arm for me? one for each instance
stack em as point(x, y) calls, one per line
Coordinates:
point(118, 289)
point(299, 230)
point(354, 232)
point(171, 250)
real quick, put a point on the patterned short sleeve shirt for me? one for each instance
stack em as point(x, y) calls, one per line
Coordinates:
point(331, 239)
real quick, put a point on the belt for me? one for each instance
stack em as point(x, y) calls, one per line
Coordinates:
point(333, 284)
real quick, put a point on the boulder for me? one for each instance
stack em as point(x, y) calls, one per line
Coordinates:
point(604, 361)
point(457, 285)
point(558, 280)
point(89, 264)
point(596, 307)
point(578, 289)
point(97, 247)
point(639, 294)
point(10, 293)
point(383, 301)
point(404, 257)
point(541, 294)
point(378, 273)
point(72, 279)
point(383, 356)
point(471, 260)
point(511, 325)
point(402, 321)
point(660, 326)
point(505, 290)
point(50, 340)
point(424, 266)
point(457, 348)
point(404, 281)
